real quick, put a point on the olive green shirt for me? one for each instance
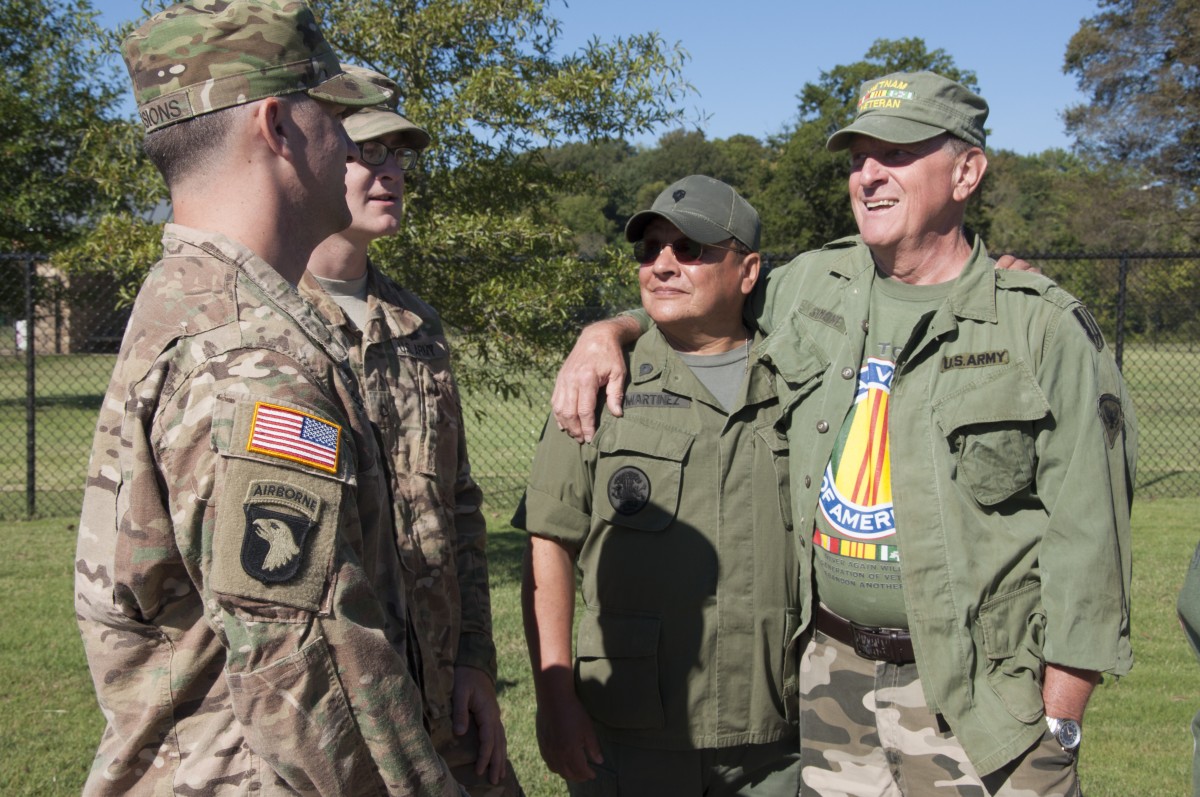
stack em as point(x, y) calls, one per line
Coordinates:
point(679, 512)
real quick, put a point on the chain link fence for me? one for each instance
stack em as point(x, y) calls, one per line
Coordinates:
point(59, 335)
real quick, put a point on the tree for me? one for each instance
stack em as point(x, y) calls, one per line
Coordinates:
point(804, 203)
point(1139, 62)
point(59, 93)
point(481, 241)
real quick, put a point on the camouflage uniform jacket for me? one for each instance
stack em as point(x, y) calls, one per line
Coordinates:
point(411, 395)
point(237, 579)
point(1013, 443)
point(681, 518)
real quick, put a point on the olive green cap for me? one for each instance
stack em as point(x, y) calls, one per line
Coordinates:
point(380, 120)
point(205, 55)
point(704, 209)
point(907, 107)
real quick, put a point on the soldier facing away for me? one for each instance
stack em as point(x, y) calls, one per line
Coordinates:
point(238, 587)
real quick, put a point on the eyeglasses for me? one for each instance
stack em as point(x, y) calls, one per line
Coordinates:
point(375, 152)
point(687, 252)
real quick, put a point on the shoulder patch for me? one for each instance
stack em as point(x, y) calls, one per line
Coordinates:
point(1112, 417)
point(273, 545)
point(296, 436)
point(1090, 327)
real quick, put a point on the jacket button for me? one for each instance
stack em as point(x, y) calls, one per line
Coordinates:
point(866, 325)
point(808, 481)
point(822, 427)
point(847, 373)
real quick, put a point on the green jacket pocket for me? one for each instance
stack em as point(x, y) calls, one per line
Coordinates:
point(639, 470)
point(616, 669)
point(993, 441)
point(1013, 627)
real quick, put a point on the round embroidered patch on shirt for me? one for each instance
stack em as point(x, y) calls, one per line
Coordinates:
point(629, 490)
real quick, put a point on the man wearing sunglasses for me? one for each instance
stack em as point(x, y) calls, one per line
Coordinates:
point(963, 452)
point(678, 516)
point(400, 353)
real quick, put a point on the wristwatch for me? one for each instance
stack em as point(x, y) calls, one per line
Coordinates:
point(1066, 732)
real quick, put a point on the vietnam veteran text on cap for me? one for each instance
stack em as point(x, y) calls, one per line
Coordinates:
point(704, 209)
point(201, 56)
point(907, 107)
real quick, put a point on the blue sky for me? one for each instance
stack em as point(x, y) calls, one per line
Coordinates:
point(749, 58)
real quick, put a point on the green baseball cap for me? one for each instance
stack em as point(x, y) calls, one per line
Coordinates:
point(907, 107)
point(205, 55)
point(704, 209)
point(380, 120)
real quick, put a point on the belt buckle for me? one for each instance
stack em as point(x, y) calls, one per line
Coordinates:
point(871, 643)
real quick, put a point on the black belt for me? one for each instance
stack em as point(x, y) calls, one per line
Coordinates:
point(892, 645)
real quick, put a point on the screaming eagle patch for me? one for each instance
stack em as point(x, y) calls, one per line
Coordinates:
point(1112, 417)
point(629, 490)
point(279, 518)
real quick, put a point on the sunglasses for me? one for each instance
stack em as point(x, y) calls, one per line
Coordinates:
point(687, 252)
point(374, 153)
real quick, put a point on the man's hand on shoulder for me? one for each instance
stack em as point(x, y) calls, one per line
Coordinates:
point(595, 362)
point(1010, 263)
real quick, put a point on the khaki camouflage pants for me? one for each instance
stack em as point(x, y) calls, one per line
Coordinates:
point(460, 753)
point(867, 732)
point(751, 770)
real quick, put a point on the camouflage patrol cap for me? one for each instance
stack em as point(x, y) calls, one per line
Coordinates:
point(380, 120)
point(907, 107)
point(704, 209)
point(204, 55)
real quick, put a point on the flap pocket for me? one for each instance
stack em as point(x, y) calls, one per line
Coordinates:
point(1013, 626)
point(1005, 620)
point(616, 669)
point(794, 355)
point(993, 440)
point(639, 469)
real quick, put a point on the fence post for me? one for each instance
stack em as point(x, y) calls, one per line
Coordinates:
point(30, 396)
point(1122, 280)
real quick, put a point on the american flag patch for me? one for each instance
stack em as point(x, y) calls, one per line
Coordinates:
point(288, 434)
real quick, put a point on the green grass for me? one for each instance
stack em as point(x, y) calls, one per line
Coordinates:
point(1163, 380)
point(69, 389)
point(1138, 742)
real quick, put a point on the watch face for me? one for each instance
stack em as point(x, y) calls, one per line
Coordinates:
point(1068, 734)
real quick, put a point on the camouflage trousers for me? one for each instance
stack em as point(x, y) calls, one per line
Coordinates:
point(460, 753)
point(867, 732)
point(750, 770)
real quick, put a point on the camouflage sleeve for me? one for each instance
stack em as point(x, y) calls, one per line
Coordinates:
point(476, 647)
point(249, 555)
